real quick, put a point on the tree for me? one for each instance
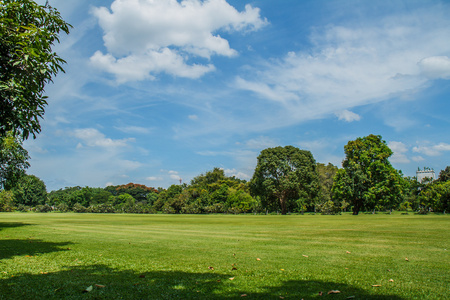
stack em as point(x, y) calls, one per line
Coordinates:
point(367, 179)
point(13, 161)
point(28, 32)
point(137, 191)
point(444, 175)
point(326, 175)
point(285, 176)
point(30, 191)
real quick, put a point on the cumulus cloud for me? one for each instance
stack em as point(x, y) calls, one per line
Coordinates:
point(350, 66)
point(436, 67)
point(147, 37)
point(174, 175)
point(347, 116)
point(91, 137)
point(400, 150)
point(237, 174)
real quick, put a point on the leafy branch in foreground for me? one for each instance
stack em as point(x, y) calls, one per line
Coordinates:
point(28, 32)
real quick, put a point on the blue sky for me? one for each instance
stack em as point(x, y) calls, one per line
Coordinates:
point(158, 90)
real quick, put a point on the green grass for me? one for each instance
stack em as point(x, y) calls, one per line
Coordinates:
point(55, 256)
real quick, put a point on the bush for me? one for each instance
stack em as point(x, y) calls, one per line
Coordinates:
point(104, 208)
point(404, 206)
point(193, 208)
point(42, 208)
point(327, 208)
point(167, 209)
point(78, 208)
point(215, 208)
point(6, 201)
point(62, 207)
point(23, 208)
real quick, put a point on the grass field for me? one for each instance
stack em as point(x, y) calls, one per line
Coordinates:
point(115, 256)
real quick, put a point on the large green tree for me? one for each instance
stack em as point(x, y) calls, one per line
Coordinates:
point(285, 177)
point(13, 161)
point(367, 179)
point(30, 191)
point(28, 32)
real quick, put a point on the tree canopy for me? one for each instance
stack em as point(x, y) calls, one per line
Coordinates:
point(367, 178)
point(285, 178)
point(28, 32)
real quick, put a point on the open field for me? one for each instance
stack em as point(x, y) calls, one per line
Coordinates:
point(224, 257)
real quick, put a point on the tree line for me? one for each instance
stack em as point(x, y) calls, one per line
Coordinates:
point(285, 180)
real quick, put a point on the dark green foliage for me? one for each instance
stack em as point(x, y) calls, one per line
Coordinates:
point(13, 161)
point(444, 175)
point(27, 63)
point(367, 179)
point(137, 191)
point(435, 197)
point(30, 191)
point(286, 178)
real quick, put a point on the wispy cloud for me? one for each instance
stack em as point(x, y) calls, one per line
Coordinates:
point(351, 66)
point(432, 150)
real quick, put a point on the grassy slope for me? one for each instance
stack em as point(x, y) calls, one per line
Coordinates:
point(168, 256)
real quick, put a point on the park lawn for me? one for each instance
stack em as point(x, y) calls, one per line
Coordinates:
point(123, 256)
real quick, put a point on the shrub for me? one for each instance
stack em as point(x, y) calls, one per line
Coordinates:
point(23, 208)
point(62, 207)
point(78, 208)
point(101, 208)
point(42, 208)
point(6, 201)
point(215, 208)
point(328, 208)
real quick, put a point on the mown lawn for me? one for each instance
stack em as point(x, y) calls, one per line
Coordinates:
point(58, 256)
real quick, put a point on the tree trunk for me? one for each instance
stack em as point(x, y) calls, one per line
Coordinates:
point(283, 203)
point(356, 207)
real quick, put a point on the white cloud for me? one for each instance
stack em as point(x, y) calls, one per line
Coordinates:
point(434, 150)
point(261, 142)
point(193, 117)
point(399, 150)
point(417, 158)
point(348, 116)
point(436, 67)
point(154, 178)
point(174, 175)
point(147, 37)
point(351, 66)
point(237, 174)
point(91, 137)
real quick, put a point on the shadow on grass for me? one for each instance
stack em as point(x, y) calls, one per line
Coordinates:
point(108, 283)
point(4, 225)
point(31, 247)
